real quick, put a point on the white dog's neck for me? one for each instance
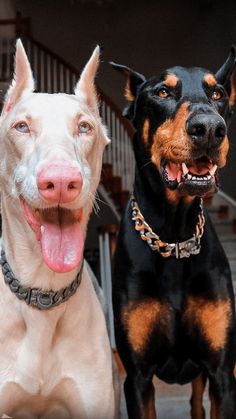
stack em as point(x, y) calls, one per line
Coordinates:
point(23, 251)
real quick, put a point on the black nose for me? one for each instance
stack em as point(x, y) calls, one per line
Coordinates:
point(206, 130)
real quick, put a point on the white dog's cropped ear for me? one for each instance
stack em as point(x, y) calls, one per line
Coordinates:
point(86, 84)
point(23, 78)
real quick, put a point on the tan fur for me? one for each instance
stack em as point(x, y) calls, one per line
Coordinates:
point(210, 80)
point(171, 80)
point(211, 317)
point(214, 412)
point(128, 94)
point(171, 140)
point(172, 196)
point(223, 151)
point(198, 386)
point(140, 318)
point(150, 412)
point(146, 130)
point(232, 96)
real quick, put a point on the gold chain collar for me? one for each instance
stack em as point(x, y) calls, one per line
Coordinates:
point(178, 250)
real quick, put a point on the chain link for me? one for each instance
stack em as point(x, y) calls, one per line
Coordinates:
point(180, 249)
point(36, 297)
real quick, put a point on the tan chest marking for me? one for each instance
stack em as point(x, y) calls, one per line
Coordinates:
point(140, 319)
point(211, 317)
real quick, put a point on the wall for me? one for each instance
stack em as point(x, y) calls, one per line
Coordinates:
point(146, 35)
point(7, 11)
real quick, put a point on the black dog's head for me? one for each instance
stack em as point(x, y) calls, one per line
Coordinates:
point(182, 118)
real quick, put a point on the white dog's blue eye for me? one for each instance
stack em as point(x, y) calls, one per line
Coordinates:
point(22, 127)
point(84, 127)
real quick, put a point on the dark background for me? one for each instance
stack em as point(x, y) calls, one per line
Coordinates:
point(146, 35)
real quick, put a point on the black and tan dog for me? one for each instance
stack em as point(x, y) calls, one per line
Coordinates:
point(173, 296)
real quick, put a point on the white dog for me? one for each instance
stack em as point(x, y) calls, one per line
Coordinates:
point(55, 358)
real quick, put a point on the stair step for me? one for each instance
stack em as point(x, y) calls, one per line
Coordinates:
point(221, 211)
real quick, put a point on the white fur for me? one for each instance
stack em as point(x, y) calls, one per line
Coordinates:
point(54, 363)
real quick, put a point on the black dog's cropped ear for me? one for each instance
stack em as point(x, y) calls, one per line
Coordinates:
point(133, 81)
point(225, 75)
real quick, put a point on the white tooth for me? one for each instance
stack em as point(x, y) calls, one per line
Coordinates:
point(208, 177)
point(213, 170)
point(185, 169)
point(189, 176)
point(194, 178)
point(205, 177)
point(42, 228)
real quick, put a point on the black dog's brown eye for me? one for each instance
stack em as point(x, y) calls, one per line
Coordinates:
point(216, 95)
point(163, 93)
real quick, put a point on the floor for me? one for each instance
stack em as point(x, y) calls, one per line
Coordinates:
point(172, 402)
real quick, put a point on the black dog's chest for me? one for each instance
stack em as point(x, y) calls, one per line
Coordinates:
point(170, 323)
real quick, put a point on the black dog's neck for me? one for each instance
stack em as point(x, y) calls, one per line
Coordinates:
point(171, 222)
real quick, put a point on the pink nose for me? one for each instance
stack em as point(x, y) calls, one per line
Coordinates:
point(59, 183)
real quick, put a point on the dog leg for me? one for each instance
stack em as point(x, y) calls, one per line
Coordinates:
point(222, 393)
point(140, 398)
point(198, 387)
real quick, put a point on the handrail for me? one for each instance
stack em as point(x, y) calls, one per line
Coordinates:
point(21, 24)
point(54, 74)
point(103, 96)
point(227, 198)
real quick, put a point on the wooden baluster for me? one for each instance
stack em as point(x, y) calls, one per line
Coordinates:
point(42, 68)
point(118, 148)
point(67, 81)
point(61, 78)
point(110, 147)
point(114, 139)
point(48, 63)
point(107, 243)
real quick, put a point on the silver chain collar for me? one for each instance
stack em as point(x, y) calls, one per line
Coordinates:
point(178, 250)
point(36, 297)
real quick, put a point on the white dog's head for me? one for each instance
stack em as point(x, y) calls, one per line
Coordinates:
point(50, 159)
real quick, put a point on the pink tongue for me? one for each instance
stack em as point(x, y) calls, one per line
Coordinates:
point(61, 240)
point(174, 171)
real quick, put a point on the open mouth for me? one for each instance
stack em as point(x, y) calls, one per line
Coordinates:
point(194, 177)
point(60, 235)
